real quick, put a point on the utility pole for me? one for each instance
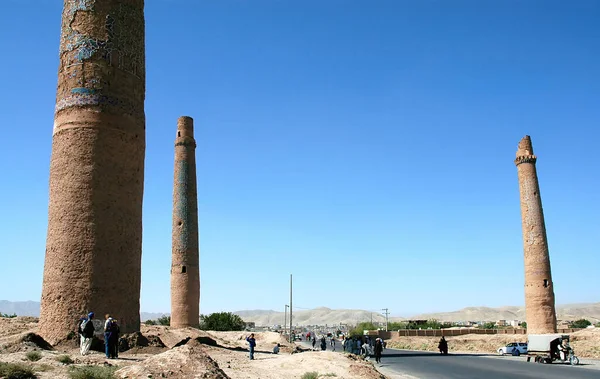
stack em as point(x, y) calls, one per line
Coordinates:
point(386, 313)
point(291, 340)
point(285, 319)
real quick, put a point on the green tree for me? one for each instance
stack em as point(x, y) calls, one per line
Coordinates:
point(433, 324)
point(164, 320)
point(359, 329)
point(524, 325)
point(581, 323)
point(222, 321)
point(150, 322)
point(397, 325)
point(490, 325)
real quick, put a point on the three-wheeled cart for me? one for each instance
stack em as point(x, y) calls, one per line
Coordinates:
point(548, 348)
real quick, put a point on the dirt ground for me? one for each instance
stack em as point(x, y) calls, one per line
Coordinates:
point(586, 343)
point(186, 353)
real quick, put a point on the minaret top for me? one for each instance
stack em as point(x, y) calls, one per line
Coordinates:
point(525, 147)
point(185, 127)
point(525, 152)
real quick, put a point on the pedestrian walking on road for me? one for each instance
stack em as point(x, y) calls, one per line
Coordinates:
point(333, 343)
point(314, 342)
point(323, 343)
point(378, 350)
point(252, 342)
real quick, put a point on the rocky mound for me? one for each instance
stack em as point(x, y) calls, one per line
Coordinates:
point(138, 343)
point(187, 361)
point(26, 342)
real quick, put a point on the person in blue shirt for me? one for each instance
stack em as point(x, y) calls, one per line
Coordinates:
point(252, 342)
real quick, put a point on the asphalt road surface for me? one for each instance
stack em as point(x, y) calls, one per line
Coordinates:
point(427, 365)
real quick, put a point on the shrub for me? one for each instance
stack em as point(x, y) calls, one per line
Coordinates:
point(310, 375)
point(151, 322)
point(6, 315)
point(582, 323)
point(64, 359)
point(92, 372)
point(164, 320)
point(359, 329)
point(222, 321)
point(16, 371)
point(33, 356)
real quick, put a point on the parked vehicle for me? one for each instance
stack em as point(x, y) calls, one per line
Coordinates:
point(514, 348)
point(548, 348)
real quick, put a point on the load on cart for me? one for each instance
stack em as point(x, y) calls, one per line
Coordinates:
point(548, 348)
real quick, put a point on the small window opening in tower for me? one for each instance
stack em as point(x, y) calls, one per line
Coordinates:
point(545, 283)
point(178, 134)
point(183, 269)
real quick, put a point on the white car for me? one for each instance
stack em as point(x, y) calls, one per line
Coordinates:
point(514, 348)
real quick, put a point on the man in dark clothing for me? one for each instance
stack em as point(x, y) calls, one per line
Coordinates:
point(323, 343)
point(378, 350)
point(443, 346)
point(111, 337)
point(252, 342)
point(87, 333)
point(314, 342)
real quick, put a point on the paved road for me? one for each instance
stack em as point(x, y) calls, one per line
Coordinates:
point(427, 365)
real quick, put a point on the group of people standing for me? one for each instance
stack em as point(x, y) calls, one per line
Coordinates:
point(367, 348)
point(323, 343)
point(86, 330)
point(352, 345)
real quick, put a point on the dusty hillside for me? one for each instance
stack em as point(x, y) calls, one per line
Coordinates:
point(178, 353)
point(322, 316)
point(318, 316)
point(564, 312)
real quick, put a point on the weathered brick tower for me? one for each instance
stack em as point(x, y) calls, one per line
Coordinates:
point(539, 289)
point(94, 241)
point(185, 265)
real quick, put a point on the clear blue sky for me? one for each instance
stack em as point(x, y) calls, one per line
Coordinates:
point(365, 146)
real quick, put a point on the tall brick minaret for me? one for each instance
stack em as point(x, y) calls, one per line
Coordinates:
point(539, 288)
point(94, 240)
point(185, 265)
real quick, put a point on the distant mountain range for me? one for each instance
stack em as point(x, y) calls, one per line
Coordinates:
point(322, 316)
point(318, 316)
point(567, 312)
point(32, 308)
